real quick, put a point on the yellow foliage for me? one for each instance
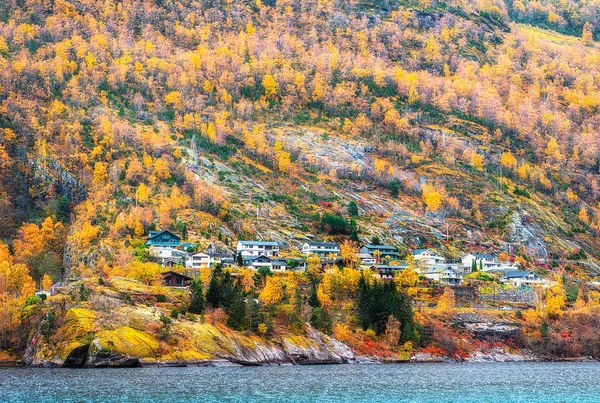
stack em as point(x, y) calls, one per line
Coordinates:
point(341, 332)
point(477, 161)
point(508, 160)
point(273, 291)
point(270, 85)
point(46, 282)
point(431, 197)
point(583, 216)
point(100, 174)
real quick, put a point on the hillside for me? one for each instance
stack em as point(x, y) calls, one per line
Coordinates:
point(459, 126)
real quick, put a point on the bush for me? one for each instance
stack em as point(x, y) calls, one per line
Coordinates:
point(33, 300)
point(174, 313)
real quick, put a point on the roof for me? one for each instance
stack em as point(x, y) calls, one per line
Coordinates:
point(154, 234)
point(483, 256)
point(519, 273)
point(266, 243)
point(328, 245)
point(279, 262)
point(177, 274)
point(251, 257)
point(420, 251)
point(380, 247)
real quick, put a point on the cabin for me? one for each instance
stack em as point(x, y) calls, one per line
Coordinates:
point(257, 248)
point(524, 278)
point(427, 257)
point(163, 238)
point(174, 279)
point(320, 248)
point(381, 251)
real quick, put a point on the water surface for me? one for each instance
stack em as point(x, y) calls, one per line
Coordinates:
point(467, 382)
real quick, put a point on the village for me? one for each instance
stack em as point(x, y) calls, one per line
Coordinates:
point(184, 262)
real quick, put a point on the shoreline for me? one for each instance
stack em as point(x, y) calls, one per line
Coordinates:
point(358, 361)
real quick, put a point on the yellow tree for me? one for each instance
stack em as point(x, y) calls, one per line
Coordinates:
point(583, 216)
point(431, 197)
point(100, 174)
point(508, 160)
point(46, 282)
point(349, 252)
point(273, 291)
point(270, 85)
point(476, 161)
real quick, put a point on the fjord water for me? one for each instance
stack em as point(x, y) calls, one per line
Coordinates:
point(467, 382)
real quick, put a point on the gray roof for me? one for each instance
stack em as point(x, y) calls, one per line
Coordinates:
point(483, 256)
point(328, 245)
point(419, 251)
point(519, 273)
point(380, 247)
point(266, 243)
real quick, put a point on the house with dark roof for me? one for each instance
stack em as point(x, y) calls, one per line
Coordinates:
point(320, 248)
point(524, 278)
point(386, 271)
point(382, 250)
point(163, 238)
point(257, 248)
point(174, 279)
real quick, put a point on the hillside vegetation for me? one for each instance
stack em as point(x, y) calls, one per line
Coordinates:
point(464, 126)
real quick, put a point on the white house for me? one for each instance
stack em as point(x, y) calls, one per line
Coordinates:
point(524, 278)
point(256, 262)
point(366, 259)
point(167, 256)
point(427, 257)
point(444, 275)
point(201, 260)
point(258, 248)
point(320, 248)
point(483, 261)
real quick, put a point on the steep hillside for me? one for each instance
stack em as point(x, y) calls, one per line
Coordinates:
point(465, 126)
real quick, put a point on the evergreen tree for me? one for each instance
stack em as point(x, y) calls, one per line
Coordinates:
point(239, 259)
point(364, 302)
point(353, 209)
point(197, 297)
point(375, 240)
point(473, 266)
point(354, 235)
point(394, 189)
point(321, 320)
point(236, 309)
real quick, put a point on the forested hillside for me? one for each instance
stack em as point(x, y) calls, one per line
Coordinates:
point(460, 125)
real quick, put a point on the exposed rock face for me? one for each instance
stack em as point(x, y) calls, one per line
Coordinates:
point(495, 331)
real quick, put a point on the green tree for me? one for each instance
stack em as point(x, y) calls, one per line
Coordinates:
point(236, 309)
point(197, 300)
point(353, 209)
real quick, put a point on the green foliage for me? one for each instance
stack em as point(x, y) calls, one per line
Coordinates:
point(335, 224)
point(197, 300)
point(375, 303)
point(321, 319)
point(353, 209)
point(33, 300)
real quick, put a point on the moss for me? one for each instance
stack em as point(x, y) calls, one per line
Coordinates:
point(187, 355)
point(128, 341)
